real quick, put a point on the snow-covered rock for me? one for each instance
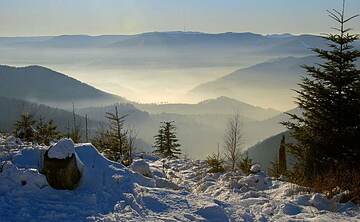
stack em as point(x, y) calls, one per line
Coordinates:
point(255, 168)
point(142, 167)
point(62, 149)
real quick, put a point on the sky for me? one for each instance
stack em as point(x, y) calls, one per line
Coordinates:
point(97, 17)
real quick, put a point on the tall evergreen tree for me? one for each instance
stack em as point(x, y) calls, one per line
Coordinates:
point(159, 143)
point(328, 132)
point(166, 142)
point(24, 127)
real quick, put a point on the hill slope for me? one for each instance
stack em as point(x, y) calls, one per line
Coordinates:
point(265, 84)
point(221, 105)
point(267, 150)
point(42, 85)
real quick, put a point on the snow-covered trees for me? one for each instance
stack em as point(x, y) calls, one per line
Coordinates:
point(166, 143)
point(328, 132)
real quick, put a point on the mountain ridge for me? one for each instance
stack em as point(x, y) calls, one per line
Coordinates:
point(43, 85)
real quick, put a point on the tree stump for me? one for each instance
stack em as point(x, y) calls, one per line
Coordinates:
point(62, 172)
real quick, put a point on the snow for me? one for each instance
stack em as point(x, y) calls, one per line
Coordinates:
point(142, 167)
point(255, 168)
point(179, 190)
point(62, 149)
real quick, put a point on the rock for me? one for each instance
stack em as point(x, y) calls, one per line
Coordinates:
point(255, 168)
point(140, 166)
point(61, 166)
point(62, 149)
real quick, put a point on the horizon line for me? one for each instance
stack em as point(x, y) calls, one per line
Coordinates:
point(140, 33)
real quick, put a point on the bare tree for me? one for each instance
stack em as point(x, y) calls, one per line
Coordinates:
point(132, 137)
point(233, 140)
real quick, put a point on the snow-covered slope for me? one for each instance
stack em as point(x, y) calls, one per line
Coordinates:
point(172, 190)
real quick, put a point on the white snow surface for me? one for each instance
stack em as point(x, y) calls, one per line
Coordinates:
point(62, 149)
point(179, 190)
point(142, 167)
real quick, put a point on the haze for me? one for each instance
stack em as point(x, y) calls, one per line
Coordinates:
point(152, 69)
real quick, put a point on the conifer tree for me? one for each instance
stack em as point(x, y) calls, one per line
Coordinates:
point(215, 162)
point(46, 132)
point(328, 132)
point(117, 136)
point(166, 142)
point(245, 163)
point(24, 127)
point(282, 156)
point(159, 143)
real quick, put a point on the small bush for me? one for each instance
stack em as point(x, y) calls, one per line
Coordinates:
point(245, 164)
point(339, 181)
point(215, 162)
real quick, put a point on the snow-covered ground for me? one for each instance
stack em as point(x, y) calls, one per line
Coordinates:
point(172, 190)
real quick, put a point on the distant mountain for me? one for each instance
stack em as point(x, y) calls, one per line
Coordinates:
point(267, 83)
point(268, 150)
point(220, 105)
point(63, 41)
point(156, 49)
point(183, 39)
point(42, 85)
point(240, 41)
point(256, 131)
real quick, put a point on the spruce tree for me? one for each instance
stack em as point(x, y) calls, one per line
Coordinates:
point(245, 163)
point(117, 136)
point(328, 132)
point(159, 143)
point(46, 132)
point(166, 142)
point(24, 127)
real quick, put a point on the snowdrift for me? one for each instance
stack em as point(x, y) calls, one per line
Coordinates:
point(169, 190)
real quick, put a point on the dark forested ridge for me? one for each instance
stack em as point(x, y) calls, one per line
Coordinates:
point(42, 85)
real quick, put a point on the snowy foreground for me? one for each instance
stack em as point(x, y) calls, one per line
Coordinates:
point(176, 190)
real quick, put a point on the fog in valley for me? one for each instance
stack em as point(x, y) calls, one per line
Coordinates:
point(153, 67)
point(198, 80)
